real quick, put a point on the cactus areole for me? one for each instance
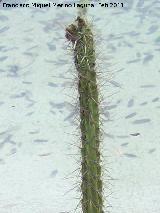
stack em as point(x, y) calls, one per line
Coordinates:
point(81, 36)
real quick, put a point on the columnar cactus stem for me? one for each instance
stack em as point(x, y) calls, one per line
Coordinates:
point(81, 36)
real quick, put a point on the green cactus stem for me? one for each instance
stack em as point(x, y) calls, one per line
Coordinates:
point(81, 36)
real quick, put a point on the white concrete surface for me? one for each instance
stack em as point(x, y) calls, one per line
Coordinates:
point(37, 108)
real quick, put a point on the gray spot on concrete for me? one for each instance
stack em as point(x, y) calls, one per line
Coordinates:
point(110, 107)
point(133, 61)
point(144, 103)
point(131, 115)
point(147, 58)
point(124, 144)
point(57, 105)
point(51, 46)
point(51, 84)
point(130, 155)
point(131, 103)
point(151, 150)
point(152, 29)
point(54, 173)
point(3, 58)
point(40, 141)
point(13, 151)
point(3, 18)
point(13, 71)
point(141, 121)
point(155, 99)
point(147, 86)
point(4, 29)
point(135, 134)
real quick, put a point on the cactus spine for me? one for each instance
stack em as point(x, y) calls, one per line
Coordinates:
point(81, 36)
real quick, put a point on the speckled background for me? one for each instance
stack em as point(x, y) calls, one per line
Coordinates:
point(38, 111)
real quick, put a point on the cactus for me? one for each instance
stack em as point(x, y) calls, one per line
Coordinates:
point(81, 36)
